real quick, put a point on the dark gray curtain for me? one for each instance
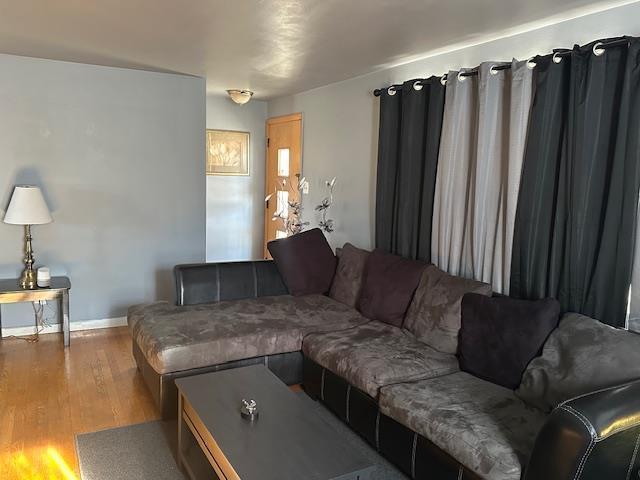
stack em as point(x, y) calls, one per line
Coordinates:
point(410, 125)
point(575, 222)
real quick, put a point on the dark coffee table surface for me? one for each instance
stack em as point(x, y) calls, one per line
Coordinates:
point(287, 441)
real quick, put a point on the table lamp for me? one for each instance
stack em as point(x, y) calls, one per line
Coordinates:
point(27, 207)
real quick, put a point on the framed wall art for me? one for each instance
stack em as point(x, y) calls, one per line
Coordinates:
point(227, 152)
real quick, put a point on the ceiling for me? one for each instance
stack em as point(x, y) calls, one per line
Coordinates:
point(273, 47)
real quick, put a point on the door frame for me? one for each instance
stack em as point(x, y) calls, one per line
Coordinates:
point(274, 121)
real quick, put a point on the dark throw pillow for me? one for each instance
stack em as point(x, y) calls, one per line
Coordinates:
point(347, 281)
point(388, 287)
point(501, 335)
point(305, 261)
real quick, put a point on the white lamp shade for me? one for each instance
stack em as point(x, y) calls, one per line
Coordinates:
point(27, 207)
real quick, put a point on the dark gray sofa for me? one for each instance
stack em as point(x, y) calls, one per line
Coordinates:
point(409, 401)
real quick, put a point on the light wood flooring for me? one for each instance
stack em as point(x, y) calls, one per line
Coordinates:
point(48, 394)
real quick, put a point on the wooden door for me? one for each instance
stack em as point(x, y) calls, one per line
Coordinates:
point(283, 171)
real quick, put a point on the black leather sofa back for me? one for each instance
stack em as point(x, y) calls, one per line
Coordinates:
point(214, 282)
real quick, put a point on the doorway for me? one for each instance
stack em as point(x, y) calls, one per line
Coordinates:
point(282, 174)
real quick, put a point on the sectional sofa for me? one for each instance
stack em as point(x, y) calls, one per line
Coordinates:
point(409, 400)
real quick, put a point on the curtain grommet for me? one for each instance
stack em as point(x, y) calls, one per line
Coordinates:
point(531, 64)
point(418, 85)
point(493, 70)
point(443, 79)
point(461, 77)
point(391, 90)
point(557, 58)
point(597, 49)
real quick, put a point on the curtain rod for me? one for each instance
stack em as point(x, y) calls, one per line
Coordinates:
point(558, 54)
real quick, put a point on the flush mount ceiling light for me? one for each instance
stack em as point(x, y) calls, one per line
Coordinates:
point(240, 96)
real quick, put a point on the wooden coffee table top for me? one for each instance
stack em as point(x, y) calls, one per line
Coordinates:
point(287, 441)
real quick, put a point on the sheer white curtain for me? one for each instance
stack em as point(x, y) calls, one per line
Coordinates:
point(479, 168)
point(455, 160)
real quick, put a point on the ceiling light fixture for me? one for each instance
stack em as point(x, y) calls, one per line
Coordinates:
point(240, 96)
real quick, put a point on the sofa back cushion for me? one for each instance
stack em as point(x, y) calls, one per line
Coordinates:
point(305, 261)
point(389, 283)
point(347, 281)
point(501, 335)
point(434, 314)
point(581, 355)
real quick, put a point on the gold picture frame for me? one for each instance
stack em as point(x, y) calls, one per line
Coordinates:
point(227, 152)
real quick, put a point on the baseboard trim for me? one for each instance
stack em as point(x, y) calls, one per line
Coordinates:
point(75, 327)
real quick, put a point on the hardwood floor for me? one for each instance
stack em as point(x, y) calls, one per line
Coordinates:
point(48, 394)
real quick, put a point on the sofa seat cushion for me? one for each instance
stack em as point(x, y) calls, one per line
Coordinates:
point(181, 338)
point(482, 425)
point(376, 354)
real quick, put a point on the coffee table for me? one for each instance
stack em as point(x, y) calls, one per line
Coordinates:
point(287, 441)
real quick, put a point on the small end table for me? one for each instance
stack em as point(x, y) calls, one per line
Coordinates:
point(12, 292)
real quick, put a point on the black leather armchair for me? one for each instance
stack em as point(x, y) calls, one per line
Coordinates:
point(592, 437)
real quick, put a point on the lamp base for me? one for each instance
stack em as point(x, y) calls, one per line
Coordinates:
point(28, 279)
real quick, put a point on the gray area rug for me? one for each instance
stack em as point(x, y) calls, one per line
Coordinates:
point(134, 452)
point(142, 451)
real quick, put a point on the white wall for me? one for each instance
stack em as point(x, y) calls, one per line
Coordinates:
point(341, 120)
point(235, 205)
point(119, 155)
